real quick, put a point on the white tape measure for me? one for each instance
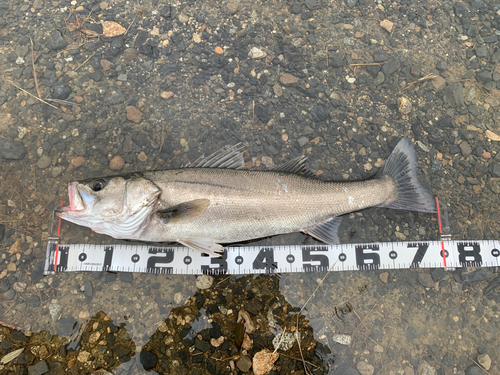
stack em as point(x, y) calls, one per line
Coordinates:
point(272, 259)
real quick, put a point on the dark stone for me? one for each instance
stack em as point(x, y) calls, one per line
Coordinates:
point(373, 70)
point(56, 41)
point(201, 345)
point(481, 51)
point(262, 113)
point(296, 8)
point(37, 273)
point(483, 76)
point(2, 231)
point(18, 336)
point(306, 15)
point(474, 370)
point(244, 363)
point(254, 306)
point(412, 333)
point(116, 97)
point(61, 91)
point(39, 368)
point(319, 113)
point(148, 360)
point(477, 275)
point(390, 66)
point(491, 39)
point(88, 290)
point(460, 9)
point(454, 94)
point(438, 274)
point(126, 277)
point(6, 345)
point(379, 56)
point(495, 170)
point(425, 280)
point(441, 65)
point(337, 60)
point(12, 150)
point(66, 326)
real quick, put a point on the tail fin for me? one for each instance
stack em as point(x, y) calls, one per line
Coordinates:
point(401, 167)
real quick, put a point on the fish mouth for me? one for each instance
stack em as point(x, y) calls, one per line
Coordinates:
point(76, 202)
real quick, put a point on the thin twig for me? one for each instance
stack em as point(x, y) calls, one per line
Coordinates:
point(281, 339)
point(84, 62)
point(424, 78)
point(35, 74)
point(60, 101)
point(29, 93)
point(129, 26)
point(298, 359)
point(364, 64)
point(481, 367)
point(223, 280)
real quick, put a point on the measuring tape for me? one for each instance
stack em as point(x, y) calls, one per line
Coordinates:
point(274, 259)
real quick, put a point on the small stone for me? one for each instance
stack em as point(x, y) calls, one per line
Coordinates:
point(342, 339)
point(148, 360)
point(83, 356)
point(268, 162)
point(288, 79)
point(319, 113)
point(303, 141)
point(337, 60)
point(405, 106)
point(244, 363)
point(204, 282)
point(105, 64)
point(38, 4)
point(390, 66)
point(217, 342)
point(114, 97)
point(384, 276)
point(142, 156)
point(111, 29)
point(465, 148)
point(43, 162)
point(183, 18)
point(38, 368)
point(484, 360)
point(122, 77)
point(262, 113)
point(365, 368)
point(61, 91)
point(296, 8)
point(167, 94)
point(19, 286)
point(263, 362)
point(379, 79)
point(133, 114)
point(438, 83)
point(256, 53)
point(218, 50)
point(94, 337)
point(117, 163)
point(104, 5)
point(183, 142)
point(277, 89)
point(11, 267)
point(56, 41)
point(387, 25)
point(425, 280)
point(78, 161)
point(19, 61)
point(380, 56)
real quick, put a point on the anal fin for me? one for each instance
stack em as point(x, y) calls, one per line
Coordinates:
point(326, 232)
point(208, 246)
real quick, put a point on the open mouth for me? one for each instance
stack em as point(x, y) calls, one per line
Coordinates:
point(75, 200)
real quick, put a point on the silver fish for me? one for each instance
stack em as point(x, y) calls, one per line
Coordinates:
point(213, 202)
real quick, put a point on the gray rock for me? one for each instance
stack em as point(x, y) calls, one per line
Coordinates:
point(61, 91)
point(296, 8)
point(477, 275)
point(425, 280)
point(56, 41)
point(345, 369)
point(311, 4)
point(441, 65)
point(2, 231)
point(39, 368)
point(460, 9)
point(319, 113)
point(337, 60)
point(352, 3)
point(491, 39)
point(438, 274)
point(495, 57)
point(379, 79)
point(43, 162)
point(474, 370)
point(481, 51)
point(302, 141)
point(88, 290)
point(380, 56)
point(390, 66)
point(495, 170)
point(116, 97)
point(465, 148)
point(9, 294)
point(244, 363)
point(454, 94)
point(483, 76)
point(12, 150)
point(308, 130)
point(122, 77)
point(262, 113)
point(148, 360)
point(484, 360)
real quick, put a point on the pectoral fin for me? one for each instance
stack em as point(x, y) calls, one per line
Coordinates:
point(326, 232)
point(183, 211)
point(205, 245)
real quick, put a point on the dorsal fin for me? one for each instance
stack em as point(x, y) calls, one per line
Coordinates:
point(297, 165)
point(230, 157)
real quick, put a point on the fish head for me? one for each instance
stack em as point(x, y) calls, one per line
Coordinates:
point(116, 206)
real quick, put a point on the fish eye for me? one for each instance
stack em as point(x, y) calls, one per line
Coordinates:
point(98, 185)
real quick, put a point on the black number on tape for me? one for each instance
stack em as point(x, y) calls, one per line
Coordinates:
point(419, 254)
point(154, 261)
point(495, 253)
point(108, 257)
point(188, 260)
point(135, 258)
point(469, 254)
point(367, 260)
point(308, 255)
point(220, 262)
point(63, 258)
point(265, 260)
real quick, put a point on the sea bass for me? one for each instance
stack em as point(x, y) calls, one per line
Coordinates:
point(213, 201)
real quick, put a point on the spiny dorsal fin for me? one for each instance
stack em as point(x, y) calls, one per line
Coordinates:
point(297, 165)
point(230, 157)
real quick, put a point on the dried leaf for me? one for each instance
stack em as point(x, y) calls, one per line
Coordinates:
point(90, 33)
point(111, 29)
point(492, 136)
point(12, 355)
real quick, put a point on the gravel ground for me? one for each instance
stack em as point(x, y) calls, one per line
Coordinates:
point(98, 88)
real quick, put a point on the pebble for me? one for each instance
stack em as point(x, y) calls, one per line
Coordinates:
point(425, 369)
point(122, 77)
point(379, 79)
point(390, 66)
point(365, 368)
point(204, 282)
point(183, 18)
point(384, 276)
point(43, 162)
point(83, 356)
point(303, 141)
point(465, 148)
point(319, 113)
point(38, 368)
point(387, 25)
point(425, 280)
point(115, 97)
point(56, 41)
point(19, 286)
point(438, 83)
point(288, 79)
point(218, 50)
point(244, 363)
point(263, 362)
point(256, 53)
point(142, 156)
point(342, 339)
point(148, 360)
point(133, 114)
point(484, 360)
point(78, 161)
point(12, 150)
point(474, 370)
point(61, 91)
point(167, 94)
point(117, 163)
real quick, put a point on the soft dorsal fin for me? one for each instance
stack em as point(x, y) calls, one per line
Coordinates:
point(297, 165)
point(230, 157)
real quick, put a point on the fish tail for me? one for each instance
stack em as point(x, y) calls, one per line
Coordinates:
point(401, 167)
